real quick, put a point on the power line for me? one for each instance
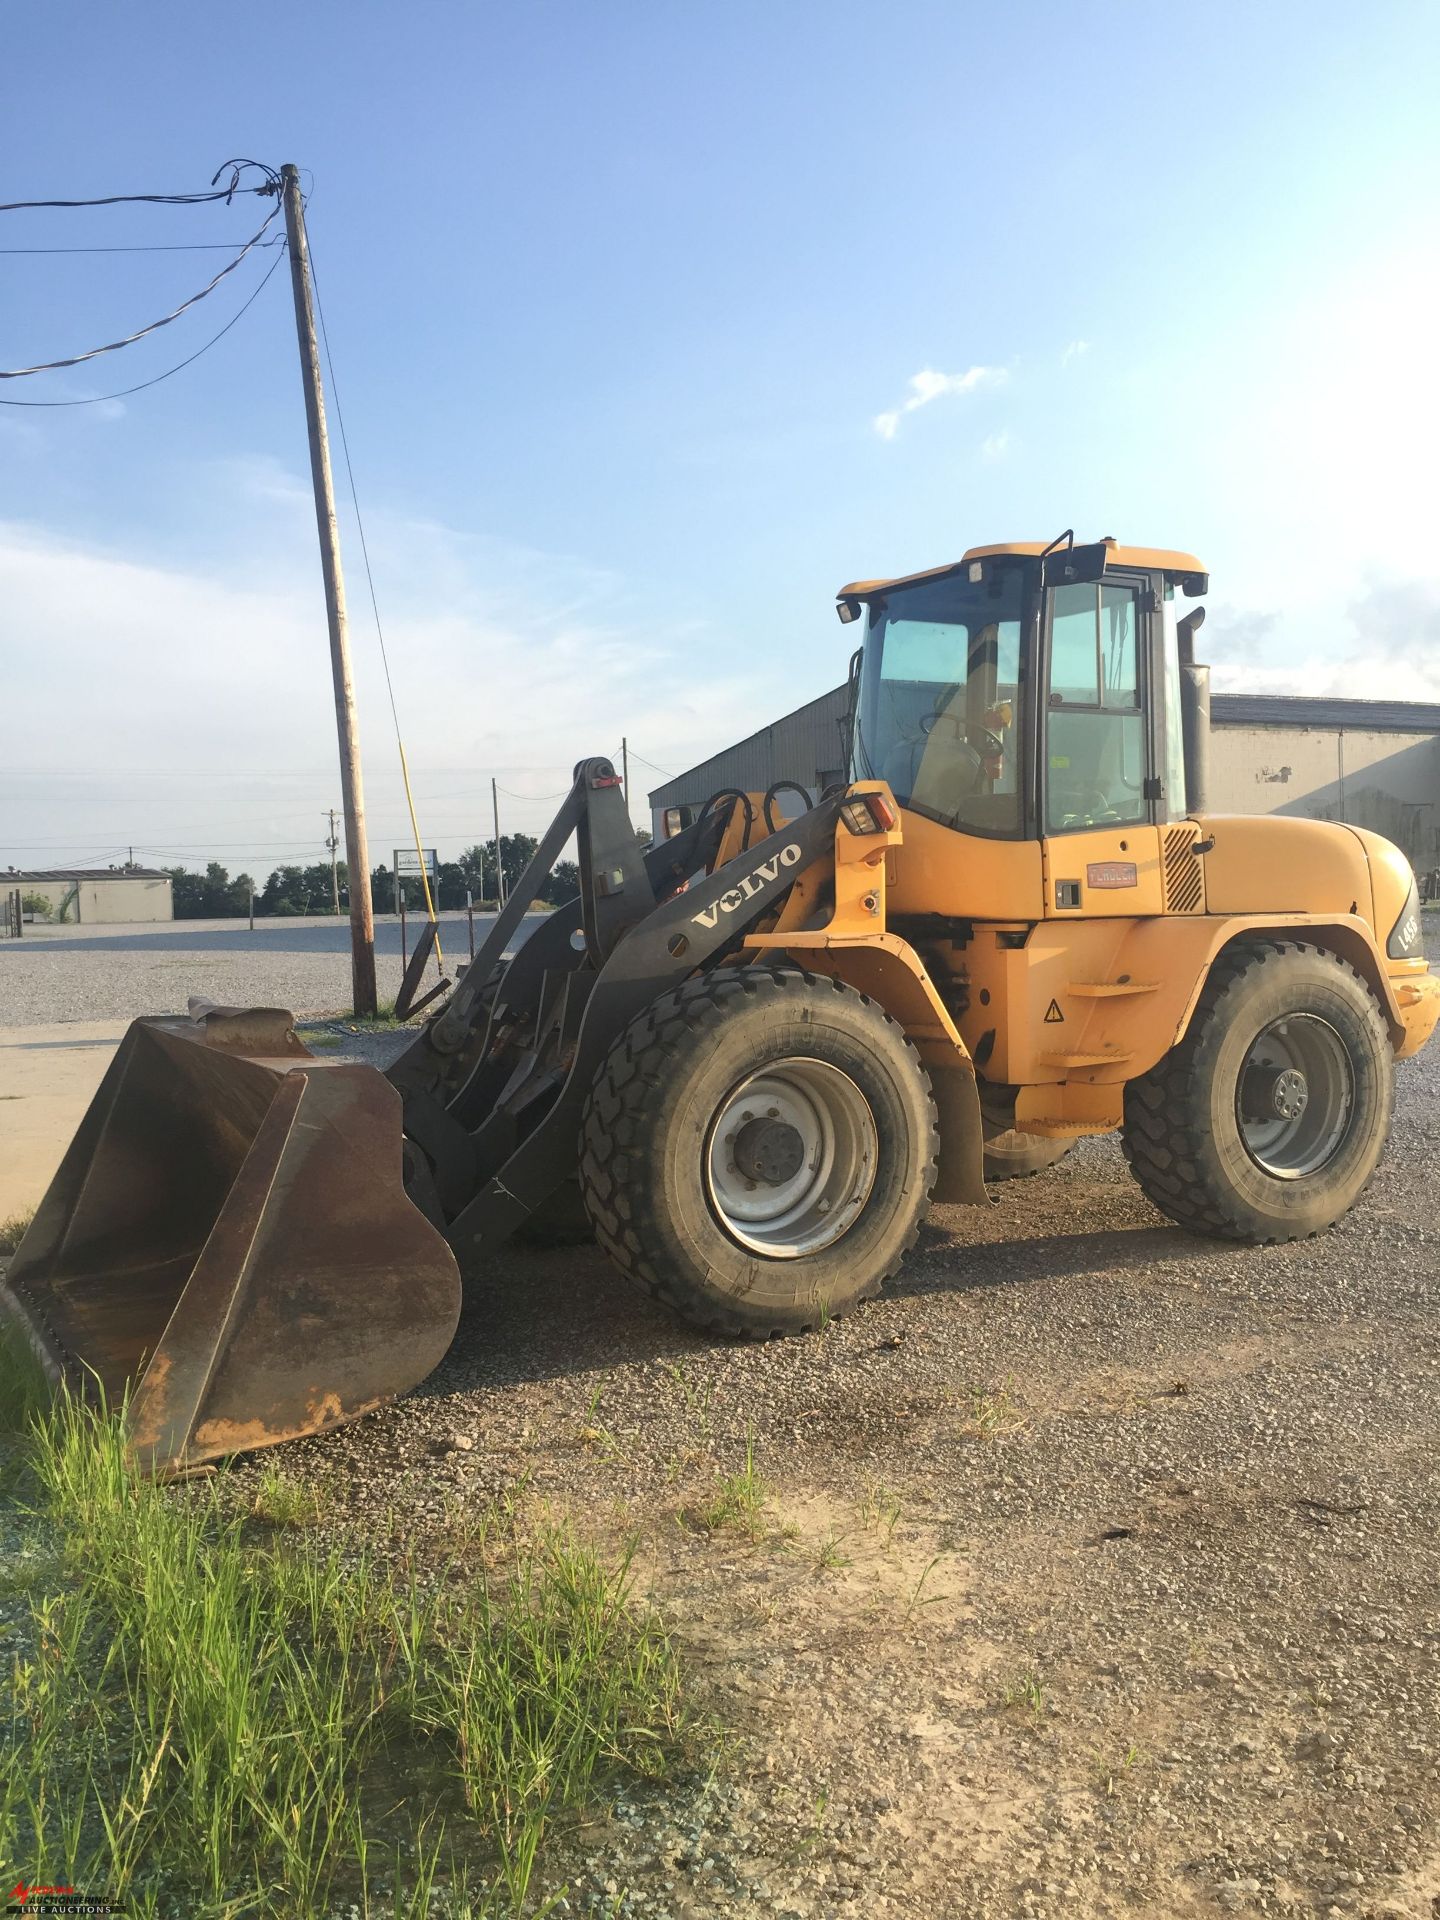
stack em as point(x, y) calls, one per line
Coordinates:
point(96, 399)
point(374, 603)
point(651, 764)
point(178, 246)
point(271, 186)
point(114, 346)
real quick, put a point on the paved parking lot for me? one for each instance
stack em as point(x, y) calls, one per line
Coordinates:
point(59, 974)
point(68, 993)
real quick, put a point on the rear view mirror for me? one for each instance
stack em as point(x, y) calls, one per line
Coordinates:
point(1074, 566)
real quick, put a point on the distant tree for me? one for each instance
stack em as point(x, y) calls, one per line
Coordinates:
point(562, 885)
point(517, 850)
point(285, 892)
point(187, 894)
point(477, 864)
point(450, 886)
point(382, 888)
point(318, 888)
point(211, 895)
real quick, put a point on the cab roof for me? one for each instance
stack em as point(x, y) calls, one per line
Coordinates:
point(1144, 559)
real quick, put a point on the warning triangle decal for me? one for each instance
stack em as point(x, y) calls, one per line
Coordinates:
point(1053, 1015)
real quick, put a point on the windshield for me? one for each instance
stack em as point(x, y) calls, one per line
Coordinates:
point(939, 707)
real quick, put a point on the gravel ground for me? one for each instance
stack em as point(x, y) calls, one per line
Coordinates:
point(1096, 1574)
point(118, 973)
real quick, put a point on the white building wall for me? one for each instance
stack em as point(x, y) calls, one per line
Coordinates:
point(1389, 782)
point(114, 900)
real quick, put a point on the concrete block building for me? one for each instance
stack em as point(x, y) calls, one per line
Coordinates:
point(93, 896)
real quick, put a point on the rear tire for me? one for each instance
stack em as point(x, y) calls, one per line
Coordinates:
point(1015, 1156)
point(802, 1083)
point(1268, 1119)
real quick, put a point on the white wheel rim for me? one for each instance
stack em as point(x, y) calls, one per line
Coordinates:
point(1295, 1100)
point(790, 1158)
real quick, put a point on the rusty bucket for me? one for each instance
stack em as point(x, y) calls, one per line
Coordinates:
point(229, 1238)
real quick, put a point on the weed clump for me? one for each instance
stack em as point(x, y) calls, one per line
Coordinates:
point(12, 1229)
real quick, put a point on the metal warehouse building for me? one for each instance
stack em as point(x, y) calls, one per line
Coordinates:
point(1369, 763)
point(92, 896)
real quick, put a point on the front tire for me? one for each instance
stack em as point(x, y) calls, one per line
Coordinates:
point(758, 1150)
point(1268, 1119)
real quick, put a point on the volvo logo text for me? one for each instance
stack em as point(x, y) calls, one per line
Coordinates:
point(735, 898)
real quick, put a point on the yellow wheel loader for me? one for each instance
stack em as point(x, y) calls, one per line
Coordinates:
point(759, 1050)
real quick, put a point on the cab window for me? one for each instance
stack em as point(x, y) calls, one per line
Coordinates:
point(940, 697)
point(1095, 724)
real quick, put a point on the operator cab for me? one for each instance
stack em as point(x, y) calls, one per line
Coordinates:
point(945, 712)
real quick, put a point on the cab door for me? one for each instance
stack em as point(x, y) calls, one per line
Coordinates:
point(1099, 796)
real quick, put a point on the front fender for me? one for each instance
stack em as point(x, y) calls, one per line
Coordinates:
point(893, 975)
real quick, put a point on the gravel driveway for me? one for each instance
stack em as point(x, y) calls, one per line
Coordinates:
point(1096, 1573)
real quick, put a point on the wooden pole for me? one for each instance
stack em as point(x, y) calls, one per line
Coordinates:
point(333, 844)
point(352, 792)
point(499, 859)
point(625, 774)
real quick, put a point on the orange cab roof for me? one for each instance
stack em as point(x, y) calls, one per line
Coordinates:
point(1146, 558)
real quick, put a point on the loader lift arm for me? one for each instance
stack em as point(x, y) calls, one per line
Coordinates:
point(495, 1085)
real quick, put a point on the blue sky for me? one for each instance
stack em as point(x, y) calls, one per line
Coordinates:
point(627, 302)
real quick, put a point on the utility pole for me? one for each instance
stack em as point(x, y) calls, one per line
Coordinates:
point(332, 845)
point(499, 861)
point(625, 774)
point(352, 793)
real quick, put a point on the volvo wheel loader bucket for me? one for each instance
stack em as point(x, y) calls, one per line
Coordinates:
point(229, 1239)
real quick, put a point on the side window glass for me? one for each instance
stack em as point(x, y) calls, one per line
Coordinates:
point(1074, 677)
point(1095, 725)
point(1117, 648)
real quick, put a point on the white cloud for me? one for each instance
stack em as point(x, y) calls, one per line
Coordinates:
point(995, 446)
point(1393, 651)
point(1074, 351)
point(188, 708)
point(928, 385)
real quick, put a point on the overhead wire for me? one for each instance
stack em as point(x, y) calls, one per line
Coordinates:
point(375, 609)
point(271, 186)
point(114, 346)
point(167, 246)
point(96, 399)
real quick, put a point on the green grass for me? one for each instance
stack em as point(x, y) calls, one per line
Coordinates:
point(24, 1391)
point(738, 1503)
point(994, 1414)
point(381, 1021)
point(12, 1229)
point(1029, 1692)
point(218, 1716)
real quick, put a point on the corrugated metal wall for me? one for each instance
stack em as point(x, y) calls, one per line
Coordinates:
point(1373, 764)
point(806, 745)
